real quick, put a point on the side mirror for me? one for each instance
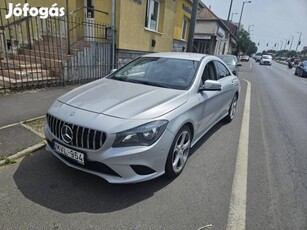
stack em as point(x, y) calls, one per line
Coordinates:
point(112, 70)
point(211, 85)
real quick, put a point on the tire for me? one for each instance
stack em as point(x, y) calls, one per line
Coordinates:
point(232, 109)
point(300, 74)
point(179, 153)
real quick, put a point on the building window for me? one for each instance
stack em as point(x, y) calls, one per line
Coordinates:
point(152, 14)
point(185, 24)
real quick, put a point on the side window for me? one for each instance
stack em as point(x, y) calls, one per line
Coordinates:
point(185, 25)
point(209, 72)
point(152, 14)
point(222, 71)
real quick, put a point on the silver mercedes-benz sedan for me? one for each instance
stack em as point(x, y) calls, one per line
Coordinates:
point(140, 121)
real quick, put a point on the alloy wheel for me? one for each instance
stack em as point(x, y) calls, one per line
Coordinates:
point(181, 151)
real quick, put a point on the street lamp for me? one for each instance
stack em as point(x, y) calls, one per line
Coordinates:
point(249, 27)
point(299, 40)
point(285, 43)
point(232, 16)
point(291, 42)
point(242, 13)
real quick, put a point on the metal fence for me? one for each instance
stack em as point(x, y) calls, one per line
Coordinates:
point(39, 52)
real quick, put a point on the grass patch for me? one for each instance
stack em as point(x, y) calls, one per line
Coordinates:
point(37, 125)
point(7, 161)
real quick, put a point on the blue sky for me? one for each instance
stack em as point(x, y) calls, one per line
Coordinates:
point(275, 21)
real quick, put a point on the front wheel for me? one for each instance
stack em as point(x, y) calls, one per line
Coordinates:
point(179, 153)
point(232, 109)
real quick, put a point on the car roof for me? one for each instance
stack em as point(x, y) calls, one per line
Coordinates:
point(178, 55)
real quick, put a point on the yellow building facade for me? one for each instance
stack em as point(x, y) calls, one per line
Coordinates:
point(141, 26)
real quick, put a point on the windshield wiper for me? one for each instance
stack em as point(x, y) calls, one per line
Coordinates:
point(120, 78)
point(148, 83)
point(126, 79)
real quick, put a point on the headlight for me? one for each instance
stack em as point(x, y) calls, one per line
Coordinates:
point(143, 135)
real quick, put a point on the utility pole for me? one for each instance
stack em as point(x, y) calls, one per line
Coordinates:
point(192, 26)
point(229, 10)
point(299, 40)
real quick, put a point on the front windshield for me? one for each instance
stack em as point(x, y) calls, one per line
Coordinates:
point(266, 57)
point(158, 71)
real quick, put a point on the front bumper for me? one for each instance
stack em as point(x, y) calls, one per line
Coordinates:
point(119, 165)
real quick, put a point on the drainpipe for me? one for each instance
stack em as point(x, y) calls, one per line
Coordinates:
point(68, 29)
point(192, 26)
point(113, 33)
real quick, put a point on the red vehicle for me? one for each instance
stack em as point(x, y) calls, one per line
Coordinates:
point(244, 58)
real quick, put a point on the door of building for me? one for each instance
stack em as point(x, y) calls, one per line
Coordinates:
point(89, 29)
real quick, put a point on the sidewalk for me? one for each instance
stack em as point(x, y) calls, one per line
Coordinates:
point(17, 137)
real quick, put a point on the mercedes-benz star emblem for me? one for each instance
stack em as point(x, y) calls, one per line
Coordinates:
point(66, 134)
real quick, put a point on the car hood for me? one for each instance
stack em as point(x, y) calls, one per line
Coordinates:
point(124, 99)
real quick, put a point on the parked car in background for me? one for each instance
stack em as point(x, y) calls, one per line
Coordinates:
point(232, 62)
point(257, 58)
point(301, 69)
point(244, 58)
point(266, 60)
point(141, 121)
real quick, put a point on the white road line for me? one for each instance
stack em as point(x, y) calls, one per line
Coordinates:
point(304, 82)
point(18, 123)
point(250, 64)
point(237, 208)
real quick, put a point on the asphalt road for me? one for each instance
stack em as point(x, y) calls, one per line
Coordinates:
point(40, 192)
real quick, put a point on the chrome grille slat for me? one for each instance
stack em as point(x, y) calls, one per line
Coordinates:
point(56, 128)
point(94, 139)
point(77, 137)
point(100, 139)
point(82, 137)
point(88, 139)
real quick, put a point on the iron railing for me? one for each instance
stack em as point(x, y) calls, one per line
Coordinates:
point(36, 52)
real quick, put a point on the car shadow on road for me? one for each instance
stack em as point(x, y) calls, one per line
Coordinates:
point(205, 137)
point(45, 180)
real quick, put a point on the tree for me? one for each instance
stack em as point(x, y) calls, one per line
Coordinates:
point(244, 44)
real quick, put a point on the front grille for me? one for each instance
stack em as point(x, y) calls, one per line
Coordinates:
point(81, 137)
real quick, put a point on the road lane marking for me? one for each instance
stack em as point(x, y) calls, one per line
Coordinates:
point(250, 64)
point(20, 122)
point(304, 82)
point(237, 208)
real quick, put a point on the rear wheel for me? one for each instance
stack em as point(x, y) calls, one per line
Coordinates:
point(232, 109)
point(179, 153)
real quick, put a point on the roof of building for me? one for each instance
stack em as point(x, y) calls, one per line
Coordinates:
point(205, 14)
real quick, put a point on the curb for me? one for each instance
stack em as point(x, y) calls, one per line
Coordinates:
point(21, 122)
point(7, 160)
point(24, 152)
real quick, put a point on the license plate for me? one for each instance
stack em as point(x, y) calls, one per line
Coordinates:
point(75, 155)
